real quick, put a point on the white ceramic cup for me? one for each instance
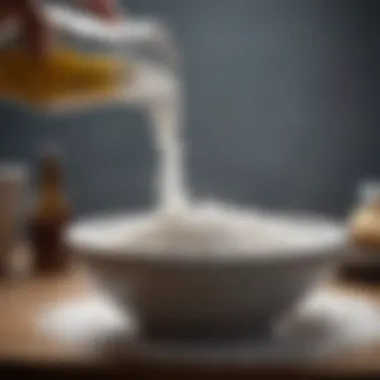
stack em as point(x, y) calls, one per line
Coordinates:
point(12, 182)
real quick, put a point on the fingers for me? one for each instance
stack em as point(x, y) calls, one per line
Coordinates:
point(105, 8)
point(37, 34)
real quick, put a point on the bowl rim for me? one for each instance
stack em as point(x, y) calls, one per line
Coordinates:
point(148, 261)
point(335, 246)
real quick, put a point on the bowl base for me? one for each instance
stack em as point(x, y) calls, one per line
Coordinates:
point(257, 329)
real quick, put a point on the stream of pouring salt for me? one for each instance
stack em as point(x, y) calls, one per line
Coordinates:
point(166, 116)
point(160, 93)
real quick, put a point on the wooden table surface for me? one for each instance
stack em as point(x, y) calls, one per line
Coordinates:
point(24, 348)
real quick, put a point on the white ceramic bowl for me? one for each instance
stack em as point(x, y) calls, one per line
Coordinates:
point(210, 294)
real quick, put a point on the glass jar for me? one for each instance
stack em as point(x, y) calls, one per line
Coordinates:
point(365, 219)
point(93, 61)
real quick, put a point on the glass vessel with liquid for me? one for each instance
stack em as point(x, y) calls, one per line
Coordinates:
point(365, 219)
point(91, 59)
point(94, 62)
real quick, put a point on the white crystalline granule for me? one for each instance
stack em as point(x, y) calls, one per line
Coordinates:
point(216, 229)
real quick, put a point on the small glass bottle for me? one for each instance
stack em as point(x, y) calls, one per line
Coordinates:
point(49, 219)
point(364, 223)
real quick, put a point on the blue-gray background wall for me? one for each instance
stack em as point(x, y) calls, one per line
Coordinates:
point(283, 109)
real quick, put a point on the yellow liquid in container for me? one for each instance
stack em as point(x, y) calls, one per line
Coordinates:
point(63, 75)
point(365, 228)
